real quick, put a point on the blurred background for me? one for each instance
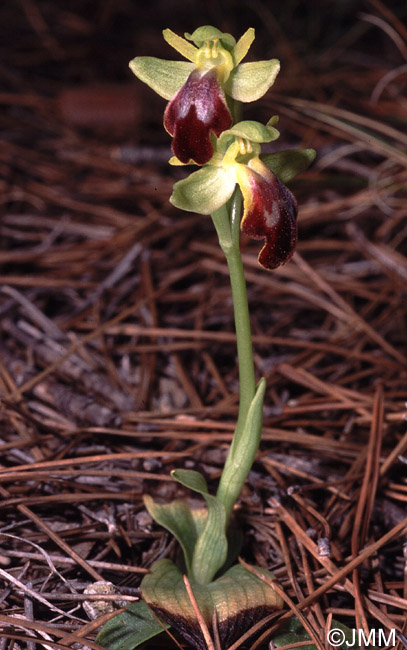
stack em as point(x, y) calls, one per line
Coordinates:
point(329, 51)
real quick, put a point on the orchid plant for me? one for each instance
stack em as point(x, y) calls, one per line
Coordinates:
point(203, 117)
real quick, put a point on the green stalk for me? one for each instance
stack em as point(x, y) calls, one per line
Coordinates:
point(245, 441)
point(241, 314)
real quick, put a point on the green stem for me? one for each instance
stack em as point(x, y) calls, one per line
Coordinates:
point(236, 110)
point(235, 471)
point(241, 314)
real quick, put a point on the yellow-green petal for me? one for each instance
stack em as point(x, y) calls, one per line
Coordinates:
point(242, 46)
point(180, 44)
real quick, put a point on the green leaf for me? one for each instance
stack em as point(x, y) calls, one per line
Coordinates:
point(293, 632)
point(235, 539)
point(203, 191)
point(273, 120)
point(242, 46)
point(246, 442)
point(164, 77)
point(130, 628)
point(211, 546)
point(239, 597)
point(250, 81)
point(191, 479)
point(348, 638)
point(242, 451)
point(237, 591)
point(180, 44)
point(253, 131)
point(201, 534)
point(177, 518)
point(287, 164)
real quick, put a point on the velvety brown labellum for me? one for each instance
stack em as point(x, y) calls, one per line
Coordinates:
point(271, 214)
point(198, 108)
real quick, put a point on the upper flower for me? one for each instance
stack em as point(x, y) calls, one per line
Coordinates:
point(198, 89)
point(270, 209)
point(196, 110)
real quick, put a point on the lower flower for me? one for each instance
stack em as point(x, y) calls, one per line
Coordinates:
point(270, 209)
point(270, 212)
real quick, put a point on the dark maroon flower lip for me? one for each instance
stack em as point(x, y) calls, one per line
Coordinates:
point(198, 108)
point(270, 213)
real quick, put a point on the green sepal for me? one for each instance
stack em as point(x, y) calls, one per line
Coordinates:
point(164, 77)
point(209, 33)
point(253, 131)
point(242, 46)
point(129, 629)
point(178, 519)
point(180, 44)
point(250, 81)
point(211, 546)
point(204, 191)
point(287, 164)
point(243, 449)
point(273, 120)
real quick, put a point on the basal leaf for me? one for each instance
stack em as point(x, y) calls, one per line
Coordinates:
point(239, 597)
point(176, 517)
point(292, 632)
point(130, 628)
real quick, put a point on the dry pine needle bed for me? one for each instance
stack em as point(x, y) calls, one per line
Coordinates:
point(117, 346)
